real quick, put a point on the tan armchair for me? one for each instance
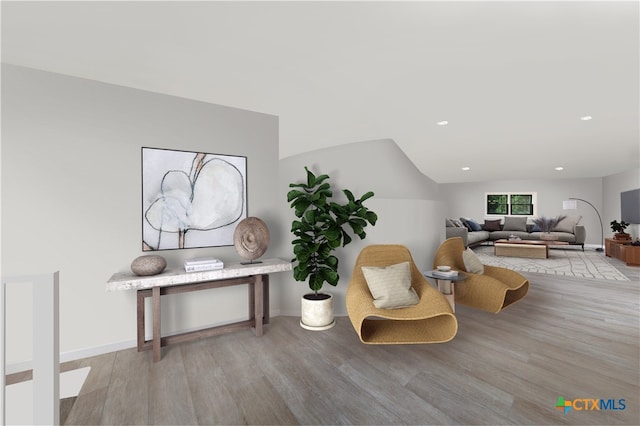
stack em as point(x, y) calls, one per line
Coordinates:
point(491, 291)
point(430, 321)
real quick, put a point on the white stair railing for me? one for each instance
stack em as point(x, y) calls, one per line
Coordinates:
point(46, 350)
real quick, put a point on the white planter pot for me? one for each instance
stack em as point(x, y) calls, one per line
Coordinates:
point(317, 314)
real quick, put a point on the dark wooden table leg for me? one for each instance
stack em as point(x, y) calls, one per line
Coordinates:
point(252, 299)
point(259, 304)
point(265, 296)
point(155, 295)
point(140, 315)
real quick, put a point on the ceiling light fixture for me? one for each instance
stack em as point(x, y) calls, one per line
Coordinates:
point(586, 118)
point(466, 168)
point(442, 123)
point(559, 168)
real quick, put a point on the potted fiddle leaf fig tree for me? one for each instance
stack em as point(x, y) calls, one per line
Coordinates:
point(320, 227)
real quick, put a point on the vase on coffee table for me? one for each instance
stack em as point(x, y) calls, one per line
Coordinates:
point(548, 236)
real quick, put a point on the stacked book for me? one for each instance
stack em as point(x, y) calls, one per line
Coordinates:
point(445, 274)
point(202, 264)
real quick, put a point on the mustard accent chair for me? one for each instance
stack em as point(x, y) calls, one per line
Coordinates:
point(491, 291)
point(430, 321)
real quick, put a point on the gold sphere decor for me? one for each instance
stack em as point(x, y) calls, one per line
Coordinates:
point(251, 238)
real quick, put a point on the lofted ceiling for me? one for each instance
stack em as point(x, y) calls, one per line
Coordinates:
point(513, 79)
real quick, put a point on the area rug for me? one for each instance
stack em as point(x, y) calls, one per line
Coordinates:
point(564, 262)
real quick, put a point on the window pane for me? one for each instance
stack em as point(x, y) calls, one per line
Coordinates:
point(522, 209)
point(521, 204)
point(497, 199)
point(497, 204)
point(521, 199)
point(497, 209)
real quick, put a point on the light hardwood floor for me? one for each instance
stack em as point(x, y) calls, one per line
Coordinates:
point(569, 337)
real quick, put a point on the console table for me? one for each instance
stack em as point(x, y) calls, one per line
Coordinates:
point(176, 280)
point(622, 250)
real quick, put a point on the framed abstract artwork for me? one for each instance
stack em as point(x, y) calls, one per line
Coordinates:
point(191, 199)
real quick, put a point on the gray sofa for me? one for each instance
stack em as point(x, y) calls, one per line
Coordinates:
point(568, 231)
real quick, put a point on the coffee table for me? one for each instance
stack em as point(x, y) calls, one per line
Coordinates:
point(534, 249)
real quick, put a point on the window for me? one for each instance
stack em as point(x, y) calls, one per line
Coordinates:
point(522, 204)
point(508, 203)
point(497, 204)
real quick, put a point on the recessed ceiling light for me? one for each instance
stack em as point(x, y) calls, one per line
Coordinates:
point(559, 168)
point(586, 118)
point(442, 123)
point(466, 168)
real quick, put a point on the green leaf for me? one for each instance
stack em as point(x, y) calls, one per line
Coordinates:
point(298, 225)
point(321, 179)
point(332, 262)
point(302, 239)
point(310, 216)
point(359, 221)
point(346, 239)
point(293, 194)
point(302, 251)
point(324, 251)
point(311, 178)
point(372, 217)
point(300, 274)
point(324, 187)
point(298, 185)
point(349, 195)
point(315, 282)
point(366, 196)
point(301, 207)
point(335, 243)
point(330, 276)
point(356, 227)
point(333, 233)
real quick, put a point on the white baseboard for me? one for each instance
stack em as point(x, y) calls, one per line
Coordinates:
point(74, 355)
point(117, 346)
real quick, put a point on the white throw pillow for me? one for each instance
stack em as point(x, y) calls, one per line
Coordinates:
point(471, 262)
point(390, 286)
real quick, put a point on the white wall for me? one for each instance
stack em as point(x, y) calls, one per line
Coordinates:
point(71, 197)
point(612, 187)
point(71, 200)
point(405, 201)
point(467, 199)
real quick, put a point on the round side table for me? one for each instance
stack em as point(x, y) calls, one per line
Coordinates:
point(445, 285)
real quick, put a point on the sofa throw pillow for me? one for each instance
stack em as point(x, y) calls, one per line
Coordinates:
point(491, 225)
point(464, 222)
point(390, 286)
point(471, 262)
point(515, 224)
point(568, 224)
point(475, 226)
point(457, 223)
point(449, 223)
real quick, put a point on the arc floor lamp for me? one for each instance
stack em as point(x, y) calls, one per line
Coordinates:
point(572, 204)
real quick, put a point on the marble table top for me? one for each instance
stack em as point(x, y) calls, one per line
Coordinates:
point(177, 275)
